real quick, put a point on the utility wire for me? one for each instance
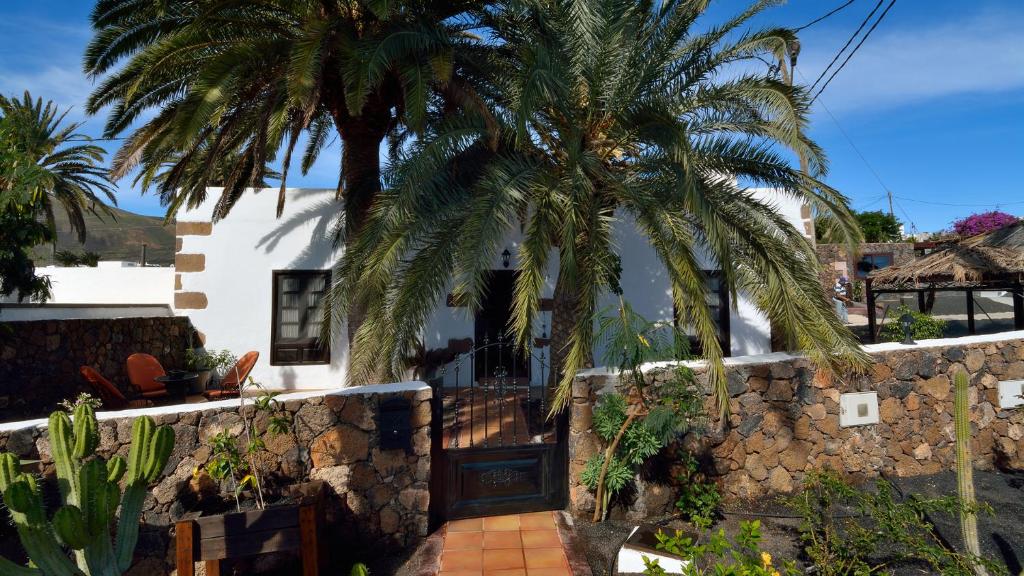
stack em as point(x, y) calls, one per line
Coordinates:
point(849, 140)
point(813, 22)
point(845, 46)
point(854, 51)
point(996, 204)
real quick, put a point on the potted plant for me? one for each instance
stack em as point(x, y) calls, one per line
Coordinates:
point(207, 363)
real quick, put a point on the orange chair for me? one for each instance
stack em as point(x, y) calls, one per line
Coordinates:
point(229, 385)
point(142, 371)
point(108, 393)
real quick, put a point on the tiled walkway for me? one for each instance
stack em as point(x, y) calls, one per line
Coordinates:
point(514, 545)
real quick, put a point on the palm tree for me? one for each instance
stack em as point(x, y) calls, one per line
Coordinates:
point(248, 79)
point(603, 110)
point(66, 174)
point(240, 82)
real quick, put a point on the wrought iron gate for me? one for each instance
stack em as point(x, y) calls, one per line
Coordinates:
point(494, 449)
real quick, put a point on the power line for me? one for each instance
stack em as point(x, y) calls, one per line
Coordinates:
point(995, 204)
point(855, 48)
point(849, 140)
point(815, 21)
point(847, 45)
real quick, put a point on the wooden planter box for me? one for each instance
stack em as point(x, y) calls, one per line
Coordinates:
point(210, 539)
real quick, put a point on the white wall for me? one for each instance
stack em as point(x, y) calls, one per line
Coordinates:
point(110, 283)
point(250, 243)
point(241, 254)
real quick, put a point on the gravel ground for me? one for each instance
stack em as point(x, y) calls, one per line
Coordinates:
point(1002, 535)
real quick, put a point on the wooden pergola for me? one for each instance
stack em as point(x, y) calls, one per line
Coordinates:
point(990, 261)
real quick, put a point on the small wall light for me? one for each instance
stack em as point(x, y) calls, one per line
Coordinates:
point(505, 258)
point(907, 322)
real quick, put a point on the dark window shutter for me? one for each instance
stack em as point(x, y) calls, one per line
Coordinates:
point(298, 316)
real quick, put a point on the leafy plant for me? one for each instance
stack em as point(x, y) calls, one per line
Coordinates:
point(880, 532)
point(636, 427)
point(717, 555)
point(698, 498)
point(72, 259)
point(83, 398)
point(200, 360)
point(234, 459)
point(90, 496)
point(923, 327)
point(879, 226)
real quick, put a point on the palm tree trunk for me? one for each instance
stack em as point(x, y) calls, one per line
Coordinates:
point(563, 317)
point(361, 138)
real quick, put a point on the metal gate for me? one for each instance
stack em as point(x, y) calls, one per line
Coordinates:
point(494, 449)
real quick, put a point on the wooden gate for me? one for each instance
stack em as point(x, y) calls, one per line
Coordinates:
point(494, 448)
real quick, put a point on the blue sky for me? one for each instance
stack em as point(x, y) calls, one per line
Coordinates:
point(933, 101)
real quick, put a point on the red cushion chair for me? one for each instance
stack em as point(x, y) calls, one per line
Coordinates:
point(108, 393)
point(143, 370)
point(229, 385)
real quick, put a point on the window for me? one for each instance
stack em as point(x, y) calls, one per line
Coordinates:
point(298, 316)
point(869, 262)
point(717, 300)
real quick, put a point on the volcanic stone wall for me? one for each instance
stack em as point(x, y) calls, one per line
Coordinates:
point(40, 359)
point(785, 421)
point(375, 501)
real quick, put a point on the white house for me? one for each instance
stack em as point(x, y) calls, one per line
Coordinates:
point(255, 282)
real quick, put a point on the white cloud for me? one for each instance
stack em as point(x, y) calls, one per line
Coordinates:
point(899, 66)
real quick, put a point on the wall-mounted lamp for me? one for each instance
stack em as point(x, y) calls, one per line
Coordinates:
point(907, 323)
point(506, 256)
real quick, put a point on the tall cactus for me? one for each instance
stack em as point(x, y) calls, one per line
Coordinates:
point(90, 494)
point(965, 471)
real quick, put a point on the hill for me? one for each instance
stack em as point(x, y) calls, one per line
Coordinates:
point(117, 237)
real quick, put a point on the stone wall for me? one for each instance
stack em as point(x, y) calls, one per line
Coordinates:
point(785, 420)
point(43, 356)
point(376, 500)
point(835, 259)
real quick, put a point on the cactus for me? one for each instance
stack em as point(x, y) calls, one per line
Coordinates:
point(90, 494)
point(965, 472)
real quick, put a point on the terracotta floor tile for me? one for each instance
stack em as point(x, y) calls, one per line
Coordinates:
point(461, 560)
point(467, 525)
point(464, 541)
point(510, 522)
point(537, 521)
point(546, 558)
point(506, 572)
point(462, 573)
point(502, 540)
point(503, 559)
point(547, 572)
point(540, 538)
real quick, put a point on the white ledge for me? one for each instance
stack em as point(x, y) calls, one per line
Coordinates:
point(784, 356)
point(390, 388)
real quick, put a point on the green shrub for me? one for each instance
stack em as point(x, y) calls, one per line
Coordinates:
point(716, 555)
point(924, 327)
point(698, 499)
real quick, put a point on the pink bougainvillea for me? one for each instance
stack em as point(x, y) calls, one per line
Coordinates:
point(985, 222)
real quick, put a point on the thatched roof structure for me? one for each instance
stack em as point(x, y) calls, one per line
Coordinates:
point(995, 257)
